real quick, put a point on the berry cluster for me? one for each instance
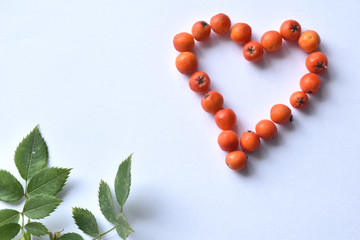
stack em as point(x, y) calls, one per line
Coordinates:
point(212, 101)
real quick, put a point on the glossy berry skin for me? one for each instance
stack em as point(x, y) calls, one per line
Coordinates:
point(316, 62)
point(186, 62)
point(253, 51)
point(201, 31)
point(299, 99)
point(241, 33)
point(310, 83)
point(220, 23)
point(266, 129)
point(309, 41)
point(199, 82)
point(290, 30)
point(225, 119)
point(212, 102)
point(280, 114)
point(236, 160)
point(249, 141)
point(228, 140)
point(184, 42)
point(271, 41)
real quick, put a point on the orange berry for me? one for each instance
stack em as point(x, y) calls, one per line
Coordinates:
point(280, 114)
point(236, 160)
point(299, 99)
point(266, 129)
point(290, 30)
point(249, 141)
point(184, 42)
point(253, 51)
point(228, 140)
point(225, 119)
point(186, 62)
point(271, 41)
point(201, 30)
point(199, 82)
point(241, 33)
point(310, 83)
point(220, 23)
point(316, 62)
point(212, 102)
point(309, 41)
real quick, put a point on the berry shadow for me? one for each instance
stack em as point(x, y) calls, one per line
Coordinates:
point(247, 171)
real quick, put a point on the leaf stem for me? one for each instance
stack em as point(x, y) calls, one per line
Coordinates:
point(104, 233)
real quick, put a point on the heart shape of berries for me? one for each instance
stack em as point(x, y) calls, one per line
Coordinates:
point(212, 101)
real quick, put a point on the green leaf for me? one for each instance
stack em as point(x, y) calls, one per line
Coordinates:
point(106, 202)
point(86, 221)
point(122, 227)
point(11, 189)
point(9, 216)
point(31, 155)
point(123, 181)
point(71, 236)
point(40, 206)
point(48, 181)
point(36, 228)
point(9, 231)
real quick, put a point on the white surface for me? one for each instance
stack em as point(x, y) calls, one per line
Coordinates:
point(99, 78)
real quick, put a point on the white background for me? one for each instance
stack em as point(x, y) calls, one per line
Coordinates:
point(99, 77)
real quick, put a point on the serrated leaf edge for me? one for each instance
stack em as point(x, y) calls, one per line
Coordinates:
point(37, 223)
point(60, 201)
point(76, 222)
point(112, 203)
point(44, 169)
point(22, 188)
point(128, 159)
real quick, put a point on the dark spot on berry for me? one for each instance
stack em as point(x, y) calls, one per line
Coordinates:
point(200, 80)
point(251, 50)
point(301, 101)
point(320, 65)
point(204, 24)
point(294, 28)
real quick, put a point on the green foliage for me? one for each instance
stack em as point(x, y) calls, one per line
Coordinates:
point(36, 228)
point(31, 155)
point(11, 189)
point(9, 231)
point(122, 227)
point(40, 206)
point(106, 202)
point(123, 181)
point(48, 181)
point(9, 216)
point(42, 185)
point(86, 221)
point(71, 236)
